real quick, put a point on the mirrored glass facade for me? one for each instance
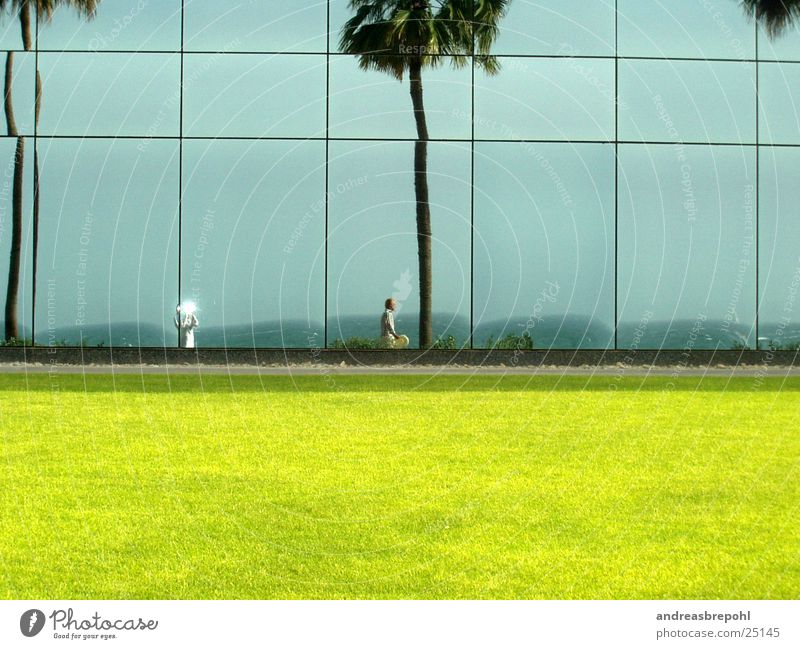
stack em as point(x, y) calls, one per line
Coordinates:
point(628, 178)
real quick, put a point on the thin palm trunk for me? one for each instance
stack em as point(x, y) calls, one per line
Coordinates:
point(423, 207)
point(15, 256)
point(12, 290)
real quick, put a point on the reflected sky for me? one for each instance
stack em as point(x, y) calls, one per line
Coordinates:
point(779, 242)
point(108, 233)
point(253, 231)
point(544, 217)
point(256, 96)
point(373, 246)
point(691, 101)
point(682, 234)
point(553, 99)
point(138, 25)
point(686, 233)
point(685, 28)
point(573, 27)
point(110, 94)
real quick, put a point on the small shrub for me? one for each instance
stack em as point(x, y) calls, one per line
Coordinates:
point(511, 341)
point(792, 346)
point(17, 342)
point(445, 343)
point(355, 342)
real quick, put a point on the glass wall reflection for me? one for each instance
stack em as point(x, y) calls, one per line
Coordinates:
point(544, 245)
point(685, 28)
point(107, 272)
point(132, 25)
point(568, 27)
point(779, 103)
point(550, 99)
point(372, 244)
point(687, 277)
point(687, 101)
point(375, 105)
point(110, 94)
point(779, 248)
point(785, 47)
point(253, 242)
point(256, 26)
point(246, 95)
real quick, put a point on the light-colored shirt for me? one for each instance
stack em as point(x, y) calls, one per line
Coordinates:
point(387, 324)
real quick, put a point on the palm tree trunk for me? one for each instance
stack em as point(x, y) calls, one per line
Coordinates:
point(25, 25)
point(15, 256)
point(12, 290)
point(423, 207)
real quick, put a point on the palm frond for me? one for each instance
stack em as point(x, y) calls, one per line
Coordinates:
point(775, 15)
point(46, 8)
point(387, 35)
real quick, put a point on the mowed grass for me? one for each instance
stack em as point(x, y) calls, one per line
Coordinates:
point(398, 487)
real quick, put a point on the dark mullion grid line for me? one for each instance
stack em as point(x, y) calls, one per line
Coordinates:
point(35, 157)
point(400, 139)
point(327, 162)
point(607, 57)
point(758, 190)
point(616, 176)
point(180, 171)
point(472, 192)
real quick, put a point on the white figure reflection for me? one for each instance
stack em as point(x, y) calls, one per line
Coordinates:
point(186, 322)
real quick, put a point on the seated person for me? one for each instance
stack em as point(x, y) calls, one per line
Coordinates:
point(389, 337)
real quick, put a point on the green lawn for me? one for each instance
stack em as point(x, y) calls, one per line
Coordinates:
point(399, 487)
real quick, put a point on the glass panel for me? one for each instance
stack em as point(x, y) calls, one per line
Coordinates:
point(340, 14)
point(785, 47)
point(779, 248)
point(110, 94)
point(544, 245)
point(779, 96)
point(374, 104)
point(373, 239)
point(245, 95)
point(11, 31)
point(568, 27)
point(689, 101)
point(108, 243)
point(253, 243)
point(685, 28)
point(8, 148)
point(117, 25)
point(256, 26)
point(686, 247)
point(551, 99)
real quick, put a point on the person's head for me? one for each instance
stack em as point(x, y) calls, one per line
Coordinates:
point(390, 304)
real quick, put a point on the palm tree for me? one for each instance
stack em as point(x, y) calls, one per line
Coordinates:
point(402, 37)
point(44, 11)
point(775, 15)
